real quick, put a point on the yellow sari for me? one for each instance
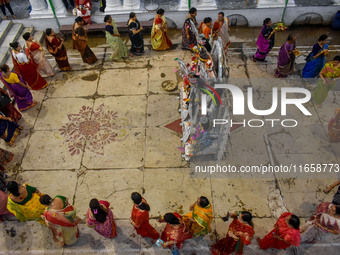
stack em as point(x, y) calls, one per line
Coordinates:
point(31, 210)
point(203, 218)
point(159, 38)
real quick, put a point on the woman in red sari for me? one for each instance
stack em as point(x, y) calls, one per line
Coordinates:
point(286, 233)
point(56, 47)
point(84, 8)
point(140, 217)
point(240, 233)
point(26, 69)
point(174, 232)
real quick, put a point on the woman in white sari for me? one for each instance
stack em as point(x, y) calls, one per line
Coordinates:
point(326, 220)
point(36, 54)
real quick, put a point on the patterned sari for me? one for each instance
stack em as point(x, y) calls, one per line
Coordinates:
point(29, 73)
point(23, 96)
point(186, 42)
point(63, 224)
point(159, 38)
point(203, 218)
point(229, 245)
point(221, 28)
point(175, 234)
point(60, 55)
point(141, 219)
point(28, 209)
point(329, 72)
point(282, 230)
point(81, 45)
point(118, 47)
point(313, 65)
point(334, 127)
point(37, 54)
point(264, 45)
point(9, 110)
point(9, 131)
point(311, 231)
point(285, 62)
point(107, 228)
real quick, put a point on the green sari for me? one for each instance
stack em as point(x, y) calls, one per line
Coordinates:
point(115, 42)
point(329, 72)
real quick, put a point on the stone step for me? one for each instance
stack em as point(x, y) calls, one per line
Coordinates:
point(12, 36)
point(5, 27)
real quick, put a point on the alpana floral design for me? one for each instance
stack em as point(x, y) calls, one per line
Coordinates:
point(91, 129)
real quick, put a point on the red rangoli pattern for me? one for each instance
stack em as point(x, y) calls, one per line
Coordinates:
point(91, 129)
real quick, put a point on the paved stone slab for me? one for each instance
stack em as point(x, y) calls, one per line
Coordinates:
point(55, 112)
point(115, 186)
point(51, 182)
point(74, 84)
point(159, 153)
point(123, 82)
point(162, 109)
point(165, 199)
point(31, 238)
point(129, 141)
point(160, 74)
point(48, 150)
point(247, 198)
point(18, 149)
point(29, 116)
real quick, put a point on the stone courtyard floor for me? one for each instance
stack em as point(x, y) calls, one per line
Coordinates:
point(99, 131)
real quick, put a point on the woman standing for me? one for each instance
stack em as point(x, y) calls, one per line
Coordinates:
point(36, 53)
point(286, 233)
point(26, 69)
point(328, 76)
point(24, 203)
point(159, 37)
point(205, 28)
point(79, 22)
point(18, 89)
point(140, 217)
point(188, 36)
point(285, 62)
point(6, 3)
point(113, 39)
point(221, 29)
point(265, 41)
point(61, 218)
point(56, 47)
point(6, 106)
point(174, 232)
point(135, 35)
point(81, 45)
point(240, 233)
point(9, 130)
point(316, 59)
point(325, 220)
point(100, 217)
point(199, 219)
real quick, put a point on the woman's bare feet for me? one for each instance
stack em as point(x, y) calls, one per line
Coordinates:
point(131, 55)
